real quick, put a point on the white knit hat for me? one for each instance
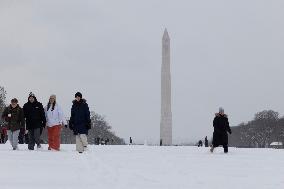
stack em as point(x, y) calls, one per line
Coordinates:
point(53, 96)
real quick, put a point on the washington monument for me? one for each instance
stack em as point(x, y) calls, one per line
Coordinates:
point(166, 112)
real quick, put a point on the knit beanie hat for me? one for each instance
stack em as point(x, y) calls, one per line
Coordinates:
point(78, 94)
point(53, 96)
point(31, 95)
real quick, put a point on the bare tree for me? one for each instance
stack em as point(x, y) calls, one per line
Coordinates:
point(2, 102)
point(100, 129)
point(266, 127)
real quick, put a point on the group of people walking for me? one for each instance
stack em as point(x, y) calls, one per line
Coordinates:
point(34, 118)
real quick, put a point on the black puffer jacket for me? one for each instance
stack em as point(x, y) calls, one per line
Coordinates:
point(221, 127)
point(34, 114)
point(80, 121)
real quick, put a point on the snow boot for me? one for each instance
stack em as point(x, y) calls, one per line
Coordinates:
point(39, 147)
point(212, 149)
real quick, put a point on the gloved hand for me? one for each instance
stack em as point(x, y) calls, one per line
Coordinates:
point(230, 132)
point(89, 126)
point(7, 119)
point(71, 126)
point(66, 126)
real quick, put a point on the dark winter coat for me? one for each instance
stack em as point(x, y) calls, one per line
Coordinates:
point(206, 142)
point(221, 127)
point(80, 121)
point(17, 120)
point(34, 114)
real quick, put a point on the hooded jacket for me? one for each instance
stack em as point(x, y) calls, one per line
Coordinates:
point(34, 115)
point(55, 117)
point(17, 120)
point(221, 129)
point(80, 120)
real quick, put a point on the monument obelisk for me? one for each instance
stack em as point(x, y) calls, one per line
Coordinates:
point(166, 112)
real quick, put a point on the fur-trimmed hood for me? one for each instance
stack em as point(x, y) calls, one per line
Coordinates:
point(81, 101)
point(34, 98)
point(219, 115)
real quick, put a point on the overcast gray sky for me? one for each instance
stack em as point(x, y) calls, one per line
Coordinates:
point(224, 53)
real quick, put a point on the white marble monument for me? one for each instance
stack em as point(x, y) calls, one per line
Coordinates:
point(166, 112)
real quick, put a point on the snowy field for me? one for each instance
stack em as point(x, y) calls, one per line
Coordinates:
point(141, 167)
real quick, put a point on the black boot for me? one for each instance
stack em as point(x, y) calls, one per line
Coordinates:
point(225, 148)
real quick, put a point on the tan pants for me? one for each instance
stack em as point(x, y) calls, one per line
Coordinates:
point(81, 142)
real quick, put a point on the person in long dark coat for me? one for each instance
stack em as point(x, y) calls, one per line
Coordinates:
point(80, 122)
point(221, 130)
point(35, 120)
point(206, 142)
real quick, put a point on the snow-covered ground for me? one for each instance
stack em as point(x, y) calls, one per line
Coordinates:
point(141, 167)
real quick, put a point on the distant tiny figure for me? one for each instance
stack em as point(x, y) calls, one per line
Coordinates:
point(107, 141)
point(200, 144)
point(3, 134)
point(98, 141)
point(221, 127)
point(130, 141)
point(206, 142)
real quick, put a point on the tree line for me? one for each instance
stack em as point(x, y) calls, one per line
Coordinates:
point(265, 128)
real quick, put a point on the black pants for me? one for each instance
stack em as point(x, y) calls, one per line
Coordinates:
point(34, 138)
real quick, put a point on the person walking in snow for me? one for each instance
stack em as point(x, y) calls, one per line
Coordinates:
point(80, 122)
point(14, 116)
point(206, 142)
point(221, 130)
point(130, 141)
point(35, 120)
point(55, 122)
point(200, 143)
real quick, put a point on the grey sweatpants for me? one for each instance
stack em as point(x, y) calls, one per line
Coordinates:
point(34, 138)
point(81, 142)
point(13, 137)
